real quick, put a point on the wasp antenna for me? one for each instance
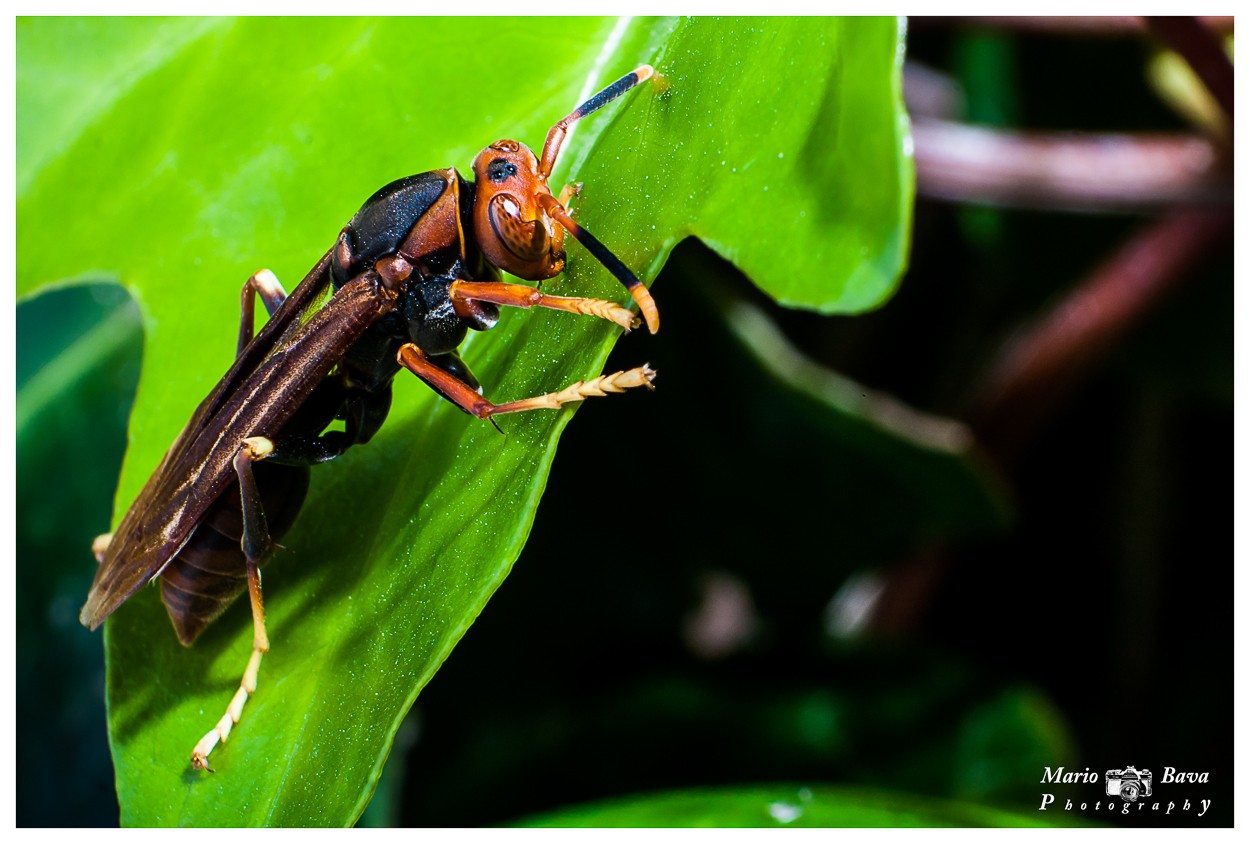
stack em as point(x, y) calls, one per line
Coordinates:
point(555, 138)
point(636, 289)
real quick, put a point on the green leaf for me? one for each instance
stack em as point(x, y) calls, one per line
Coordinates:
point(226, 145)
point(784, 805)
point(924, 477)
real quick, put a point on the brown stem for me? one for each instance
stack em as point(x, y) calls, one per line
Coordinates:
point(908, 587)
point(929, 92)
point(1039, 368)
point(1199, 46)
point(1069, 171)
point(1043, 363)
point(1093, 25)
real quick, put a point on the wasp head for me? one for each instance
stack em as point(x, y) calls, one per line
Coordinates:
point(513, 229)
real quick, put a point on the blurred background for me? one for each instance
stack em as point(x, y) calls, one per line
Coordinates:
point(932, 549)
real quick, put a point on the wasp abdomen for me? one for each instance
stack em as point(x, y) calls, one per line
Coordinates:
point(211, 570)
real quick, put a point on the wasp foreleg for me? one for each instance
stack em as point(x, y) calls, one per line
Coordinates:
point(567, 193)
point(520, 296)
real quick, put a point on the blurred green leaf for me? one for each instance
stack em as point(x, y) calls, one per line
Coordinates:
point(926, 467)
point(77, 364)
point(190, 174)
point(1004, 741)
point(781, 806)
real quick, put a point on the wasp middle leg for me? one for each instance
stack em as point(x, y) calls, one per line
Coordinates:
point(468, 399)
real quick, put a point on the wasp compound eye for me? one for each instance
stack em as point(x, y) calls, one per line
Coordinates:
point(500, 170)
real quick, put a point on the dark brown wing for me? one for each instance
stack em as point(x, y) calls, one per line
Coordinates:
point(284, 320)
point(256, 397)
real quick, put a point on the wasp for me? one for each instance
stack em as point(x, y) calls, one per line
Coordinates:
point(410, 274)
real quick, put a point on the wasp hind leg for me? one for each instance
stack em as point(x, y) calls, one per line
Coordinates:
point(256, 541)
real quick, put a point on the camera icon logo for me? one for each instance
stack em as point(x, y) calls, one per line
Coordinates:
point(1129, 783)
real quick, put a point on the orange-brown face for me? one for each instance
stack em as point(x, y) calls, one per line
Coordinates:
point(513, 230)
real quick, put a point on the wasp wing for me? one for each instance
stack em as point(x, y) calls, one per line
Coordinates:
point(285, 320)
point(256, 398)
